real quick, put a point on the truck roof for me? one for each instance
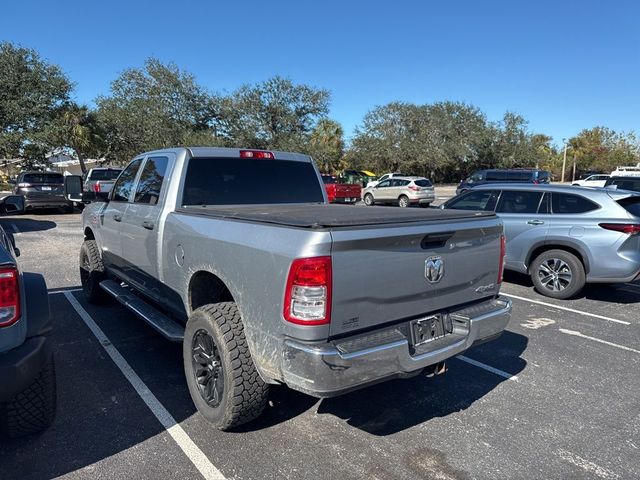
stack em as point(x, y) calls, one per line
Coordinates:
point(229, 152)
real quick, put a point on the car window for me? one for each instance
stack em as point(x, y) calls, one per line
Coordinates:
point(383, 178)
point(495, 176)
point(233, 181)
point(568, 203)
point(633, 185)
point(38, 178)
point(631, 205)
point(329, 179)
point(108, 174)
point(386, 183)
point(476, 177)
point(518, 176)
point(513, 201)
point(475, 200)
point(124, 184)
point(423, 183)
point(399, 183)
point(150, 183)
point(543, 177)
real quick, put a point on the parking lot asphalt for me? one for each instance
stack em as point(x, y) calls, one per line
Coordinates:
point(556, 396)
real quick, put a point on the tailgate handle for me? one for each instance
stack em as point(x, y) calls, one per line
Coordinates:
point(435, 240)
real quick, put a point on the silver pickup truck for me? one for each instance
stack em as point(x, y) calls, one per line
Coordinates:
point(237, 254)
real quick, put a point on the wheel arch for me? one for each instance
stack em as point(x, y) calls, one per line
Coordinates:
point(206, 287)
point(570, 247)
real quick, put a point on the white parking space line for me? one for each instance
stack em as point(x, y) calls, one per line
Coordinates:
point(586, 465)
point(599, 340)
point(65, 290)
point(190, 449)
point(488, 368)
point(566, 309)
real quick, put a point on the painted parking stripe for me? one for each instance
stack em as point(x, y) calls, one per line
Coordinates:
point(190, 449)
point(566, 309)
point(599, 340)
point(488, 368)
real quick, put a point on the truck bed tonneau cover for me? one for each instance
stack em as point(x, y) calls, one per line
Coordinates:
point(320, 216)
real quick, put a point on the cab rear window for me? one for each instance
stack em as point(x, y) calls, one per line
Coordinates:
point(246, 181)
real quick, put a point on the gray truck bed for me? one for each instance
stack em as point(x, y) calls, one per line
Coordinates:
point(322, 216)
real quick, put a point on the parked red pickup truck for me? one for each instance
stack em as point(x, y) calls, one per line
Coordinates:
point(341, 192)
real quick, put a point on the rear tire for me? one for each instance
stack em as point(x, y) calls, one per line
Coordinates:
point(403, 201)
point(557, 274)
point(33, 409)
point(223, 381)
point(368, 200)
point(92, 272)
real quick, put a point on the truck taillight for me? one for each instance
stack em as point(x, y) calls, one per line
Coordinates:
point(307, 297)
point(503, 251)
point(256, 154)
point(9, 296)
point(96, 187)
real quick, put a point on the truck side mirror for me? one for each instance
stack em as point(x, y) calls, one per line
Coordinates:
point(73, 188)
point(13, 204)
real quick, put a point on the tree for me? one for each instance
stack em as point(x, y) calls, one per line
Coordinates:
point(77, 129)
point(326, 145)
point(275, 114)
point(32, 94)
point(153, 107)
point(601, 148)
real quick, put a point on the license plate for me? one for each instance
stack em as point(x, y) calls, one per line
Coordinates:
point(46, 188)
point(431, 328)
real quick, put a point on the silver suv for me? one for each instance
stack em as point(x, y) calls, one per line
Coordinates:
point(403, 191)
point(562, 236)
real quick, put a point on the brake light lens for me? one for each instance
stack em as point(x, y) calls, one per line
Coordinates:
point(9, 296)
point(96, 187)
point(256, 154)
point(628, 228)
point(503, 252)
point(414, 188)
point(307, 298)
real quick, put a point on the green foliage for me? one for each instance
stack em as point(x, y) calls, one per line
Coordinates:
point(601, 148)
point(326, 146)
point(275, 114)
point(32, 93)
point(154, 107)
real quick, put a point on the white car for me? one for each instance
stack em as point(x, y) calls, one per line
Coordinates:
point(591, 181)
point(626, 172)
point(386, 176)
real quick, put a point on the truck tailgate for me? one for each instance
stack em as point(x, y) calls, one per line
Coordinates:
point(379, 274)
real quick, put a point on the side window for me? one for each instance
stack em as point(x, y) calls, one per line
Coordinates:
point(567, 203)
point(496, 176)
point(124, 185)
point(514, 201)
point(386, 183)
point(478, 200)
point(151, 178)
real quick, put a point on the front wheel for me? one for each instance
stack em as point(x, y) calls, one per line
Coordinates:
point(368, 200)
point(557, 274)
point(223, 381)
point(403, 201)
point(92, 272)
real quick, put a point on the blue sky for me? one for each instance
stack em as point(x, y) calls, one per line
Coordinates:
point(564, 66)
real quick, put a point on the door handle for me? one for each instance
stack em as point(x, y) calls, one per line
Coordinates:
point(148, 225)
point(535, 222)
point(117, 217)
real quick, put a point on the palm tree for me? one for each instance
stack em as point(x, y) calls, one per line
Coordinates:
point(79, 132)
point(327, 143)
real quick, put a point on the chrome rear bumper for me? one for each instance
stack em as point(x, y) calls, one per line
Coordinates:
point(329, 369)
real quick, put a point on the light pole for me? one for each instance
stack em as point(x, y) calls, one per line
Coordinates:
point(564, 159)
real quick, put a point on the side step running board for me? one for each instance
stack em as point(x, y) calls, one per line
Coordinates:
point(168, 328)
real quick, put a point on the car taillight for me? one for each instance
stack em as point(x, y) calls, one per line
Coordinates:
point(256, 154)
point(628, 228)
point(307, 297)
point(9, 296)
point(414, 188)
point(503, 251)
point(96, 187)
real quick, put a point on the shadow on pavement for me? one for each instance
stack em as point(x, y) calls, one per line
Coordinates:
point(606, 292)
point(26, 224)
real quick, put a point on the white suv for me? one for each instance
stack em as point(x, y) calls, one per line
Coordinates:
point(403, 191)
point(592, 181)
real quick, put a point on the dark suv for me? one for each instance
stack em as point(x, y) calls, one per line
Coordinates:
point(42, 190)
point(513, 175)
point(27, 374)
point(624, 183)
